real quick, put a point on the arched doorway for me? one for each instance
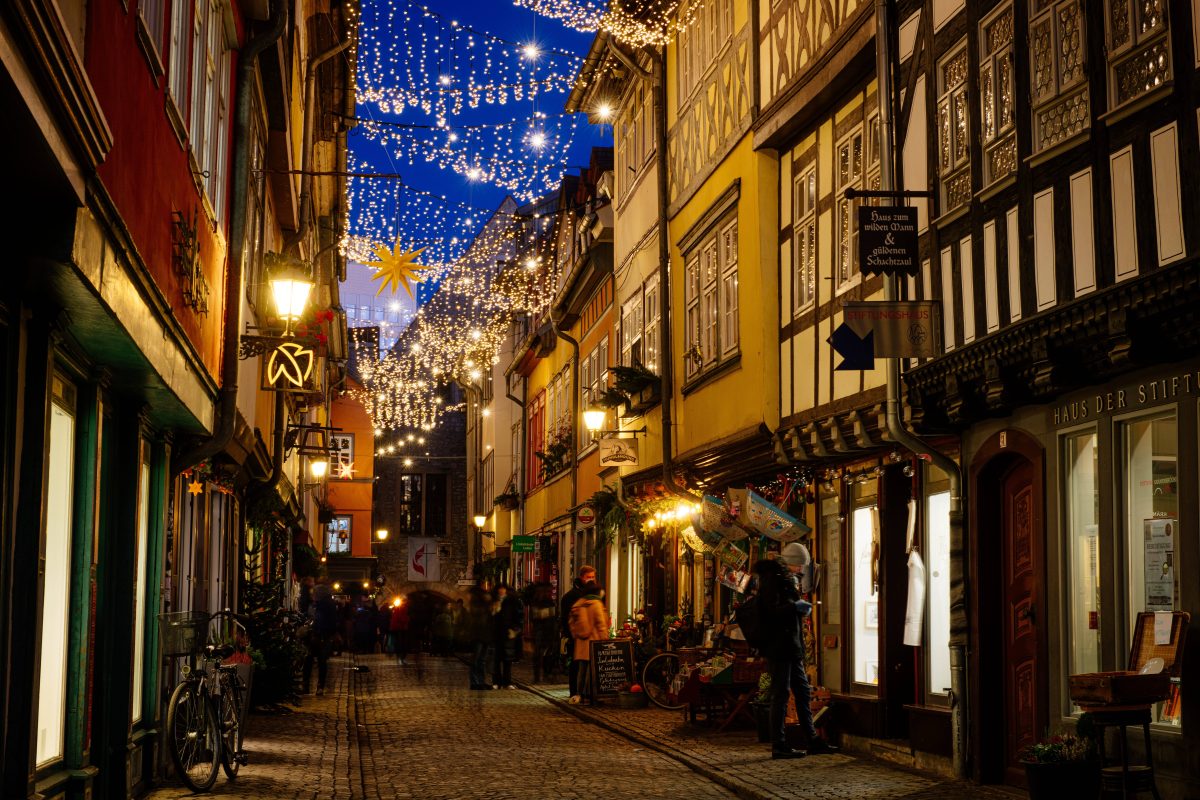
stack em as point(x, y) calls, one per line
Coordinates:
point(1009, 600)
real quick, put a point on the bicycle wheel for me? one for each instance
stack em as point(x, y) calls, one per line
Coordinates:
point(657, 677)
point(192, 737)
point(230, 725)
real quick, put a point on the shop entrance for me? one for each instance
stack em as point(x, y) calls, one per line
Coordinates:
point(1008, 542)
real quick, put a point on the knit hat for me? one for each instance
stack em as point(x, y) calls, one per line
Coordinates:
point(795, 555)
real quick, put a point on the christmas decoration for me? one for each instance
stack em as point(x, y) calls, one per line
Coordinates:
point(396, 268)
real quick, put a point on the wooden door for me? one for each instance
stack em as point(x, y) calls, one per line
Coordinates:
point(1023, 613)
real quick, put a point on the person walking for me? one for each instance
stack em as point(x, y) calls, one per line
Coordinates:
point(545, 632)
point(325, 620)
point(589, 623)
point(443, 632)
point(477, 624)
point(780, 611)
point(398, 629)
point(507, 623)
point(586, 574)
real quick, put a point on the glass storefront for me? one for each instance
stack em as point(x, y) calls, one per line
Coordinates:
point(937, 570)
point(864, 589)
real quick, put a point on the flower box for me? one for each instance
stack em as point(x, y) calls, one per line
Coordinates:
point(643, 400)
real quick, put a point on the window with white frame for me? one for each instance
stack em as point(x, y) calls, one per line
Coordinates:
point(804, 239)
point(954, 147)
point(337, 535)
point(639, 326)
point(700, 41)
point(856, 166)
point(1058, 87)
point(593, 380)
point(635, 136)
point(1139, 49)
point(177, 70)
point(997, 88)
point(711, 299)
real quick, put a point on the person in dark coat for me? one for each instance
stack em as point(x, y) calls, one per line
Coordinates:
point(781, 611)
point(325, 620)
point(398, 628)
point(478, 629)
point(586, 575)
point(545, 632)
point(507, 624)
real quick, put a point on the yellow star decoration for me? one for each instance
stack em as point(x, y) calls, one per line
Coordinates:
point(195, 487)
point(396, 268)
point(346, 470)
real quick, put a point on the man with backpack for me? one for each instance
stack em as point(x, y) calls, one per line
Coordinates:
point(772, 622)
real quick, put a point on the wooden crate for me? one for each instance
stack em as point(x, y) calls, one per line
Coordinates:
point(1128, 687)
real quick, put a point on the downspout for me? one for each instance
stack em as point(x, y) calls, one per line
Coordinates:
point(659, 109)
point(959, 630)
point(310, 112)
point(521, 459)
point(574, 416)
point(226, 412)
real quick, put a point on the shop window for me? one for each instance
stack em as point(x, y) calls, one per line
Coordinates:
point(1151, 508)
point(56, 593)
point(937, 572)
point(337, 535)
point(864, 587)
point(139, 605)
point(1083, 553)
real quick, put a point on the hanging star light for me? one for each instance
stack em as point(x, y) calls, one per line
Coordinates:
point(397, 268)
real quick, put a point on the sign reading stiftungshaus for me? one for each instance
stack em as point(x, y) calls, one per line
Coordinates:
point(887, 240)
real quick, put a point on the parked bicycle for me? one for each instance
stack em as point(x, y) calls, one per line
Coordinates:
point(660, 672)
point(204, 715)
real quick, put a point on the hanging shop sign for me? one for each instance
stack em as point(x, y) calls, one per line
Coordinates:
point(524, 544)
point(585, 516)
point(616, 452)
point(290, 367)
point(892, 329)
point(887, 240)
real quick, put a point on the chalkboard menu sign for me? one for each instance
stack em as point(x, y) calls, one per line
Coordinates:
point(611, 665)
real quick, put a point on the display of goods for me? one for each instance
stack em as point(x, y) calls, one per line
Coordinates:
point(771, 521)
point(693, 540)
point(715, 519)
point(731, 555)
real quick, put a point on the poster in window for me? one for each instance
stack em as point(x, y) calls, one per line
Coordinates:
point(1160, 564)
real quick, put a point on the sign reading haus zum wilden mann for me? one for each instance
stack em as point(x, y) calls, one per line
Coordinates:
point(887, 240)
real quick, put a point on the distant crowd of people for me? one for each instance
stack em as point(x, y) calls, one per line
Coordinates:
point(490, 627)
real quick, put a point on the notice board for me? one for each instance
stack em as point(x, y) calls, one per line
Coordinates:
point(611, 665)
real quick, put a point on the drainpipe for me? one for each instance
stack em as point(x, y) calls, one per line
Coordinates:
point(659, 111)
point(959, 631)
point(574, 416)
point(310, 112)
point(520, 459)
point(226, 412)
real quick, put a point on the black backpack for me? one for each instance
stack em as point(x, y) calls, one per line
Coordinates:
point(749, 619)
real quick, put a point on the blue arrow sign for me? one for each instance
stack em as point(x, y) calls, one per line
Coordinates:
point(857, 352)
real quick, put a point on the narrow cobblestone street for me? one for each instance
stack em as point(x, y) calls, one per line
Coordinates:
point(389, 732)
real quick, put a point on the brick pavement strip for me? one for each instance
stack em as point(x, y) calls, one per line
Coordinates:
point(394, 733)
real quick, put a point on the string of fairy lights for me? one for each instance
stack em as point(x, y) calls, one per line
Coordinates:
point(420, 73)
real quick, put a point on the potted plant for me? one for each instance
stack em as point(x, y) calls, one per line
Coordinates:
point(632, 695)
point(640, 385)
point(508, 499)
point(760, 706)
point(1064, 765)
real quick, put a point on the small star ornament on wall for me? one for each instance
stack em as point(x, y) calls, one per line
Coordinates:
point(397, 268)
point(346, 470)
point(195, 487)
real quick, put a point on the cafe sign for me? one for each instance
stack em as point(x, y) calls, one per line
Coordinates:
point(290, 367)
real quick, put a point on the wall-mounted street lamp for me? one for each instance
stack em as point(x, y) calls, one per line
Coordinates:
point(290, 290)
point(319, 467)
point(480, 521)
point(381, 534)
point(593, 420)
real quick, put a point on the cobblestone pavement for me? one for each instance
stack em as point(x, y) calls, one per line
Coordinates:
point(393, 733)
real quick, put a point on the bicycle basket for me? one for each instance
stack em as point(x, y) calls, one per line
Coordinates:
point(182, 632)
